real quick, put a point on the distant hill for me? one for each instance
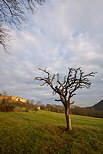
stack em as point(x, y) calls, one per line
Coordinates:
point(98, 106)
point(15, 103)
point(12, 98)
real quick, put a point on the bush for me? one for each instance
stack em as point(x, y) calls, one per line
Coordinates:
point(20, 109)
point(7, 107)
point(53, 108)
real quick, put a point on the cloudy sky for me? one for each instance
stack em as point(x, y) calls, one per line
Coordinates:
point(61, 34)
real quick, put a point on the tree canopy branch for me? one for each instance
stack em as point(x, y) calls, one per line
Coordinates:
point(66, 89)
point(13, 13)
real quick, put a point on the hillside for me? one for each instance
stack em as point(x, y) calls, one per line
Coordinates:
point(12, 98)
point(44, 132)
point(98, 106)
point(15, 103)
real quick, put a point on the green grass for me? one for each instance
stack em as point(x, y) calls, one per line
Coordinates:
point(44, 132)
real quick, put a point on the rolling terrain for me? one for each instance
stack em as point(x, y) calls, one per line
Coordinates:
point(44, 132)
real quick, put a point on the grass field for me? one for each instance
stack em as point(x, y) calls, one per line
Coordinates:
point(44, 132)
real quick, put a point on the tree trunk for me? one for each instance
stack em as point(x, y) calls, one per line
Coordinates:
point(68, 119)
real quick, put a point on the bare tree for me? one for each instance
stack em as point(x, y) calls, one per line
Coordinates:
point(13, 13)
point(66, 87)
point(4, 93)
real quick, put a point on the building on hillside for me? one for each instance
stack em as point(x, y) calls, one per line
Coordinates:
point(38, 107)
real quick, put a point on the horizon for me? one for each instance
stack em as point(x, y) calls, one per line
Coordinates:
point(33, 101)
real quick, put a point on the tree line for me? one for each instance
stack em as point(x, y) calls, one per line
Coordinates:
point(75, 110)
point(6, 105)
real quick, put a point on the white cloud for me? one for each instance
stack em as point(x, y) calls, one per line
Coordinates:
point(61, 34)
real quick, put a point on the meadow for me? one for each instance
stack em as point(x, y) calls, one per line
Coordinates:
point(44, 132)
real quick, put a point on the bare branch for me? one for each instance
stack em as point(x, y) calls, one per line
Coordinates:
point(13, 13)
point(4, 36)
point(72, 103)
point(58, 100)
point(66, 88)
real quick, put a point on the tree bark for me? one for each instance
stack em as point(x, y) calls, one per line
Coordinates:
point(68, 119)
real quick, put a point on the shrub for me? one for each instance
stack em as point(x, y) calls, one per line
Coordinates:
point(7, 107)
point(20, 109)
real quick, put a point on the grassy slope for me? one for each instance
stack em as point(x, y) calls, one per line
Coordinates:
point(44, 132)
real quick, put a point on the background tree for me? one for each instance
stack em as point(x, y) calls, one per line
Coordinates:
point(4, 93)
point(13, 13)
point(66, 87)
